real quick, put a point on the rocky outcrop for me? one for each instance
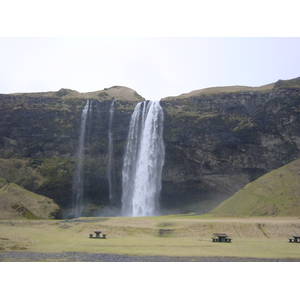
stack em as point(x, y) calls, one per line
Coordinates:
point(217, 140)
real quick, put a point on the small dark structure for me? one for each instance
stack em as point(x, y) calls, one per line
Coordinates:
point(221, 237)
point(165, 231)
point(294, 239)
point(97, 235)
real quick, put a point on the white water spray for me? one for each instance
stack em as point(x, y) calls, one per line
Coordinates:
point(77, 189)
point(143, 161)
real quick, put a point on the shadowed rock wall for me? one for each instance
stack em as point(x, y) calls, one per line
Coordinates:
point(219, 141)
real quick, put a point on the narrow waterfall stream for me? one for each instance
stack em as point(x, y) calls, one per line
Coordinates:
point(143, 161)
point(77, 188)
point(111, 167)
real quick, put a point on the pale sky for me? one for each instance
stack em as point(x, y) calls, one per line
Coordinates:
point(153, 67)
point(159, 49)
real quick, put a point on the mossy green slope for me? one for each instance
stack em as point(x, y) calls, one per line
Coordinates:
point(276, 193)
point(16, 202)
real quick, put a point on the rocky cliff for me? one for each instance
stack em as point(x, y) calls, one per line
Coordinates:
point(217, 140)
point(39, 135)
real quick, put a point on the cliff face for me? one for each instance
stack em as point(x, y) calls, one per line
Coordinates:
point(39, 134)
point(216, 140)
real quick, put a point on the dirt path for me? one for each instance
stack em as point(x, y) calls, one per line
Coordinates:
point(101, 257)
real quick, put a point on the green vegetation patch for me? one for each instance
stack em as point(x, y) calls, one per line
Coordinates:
point(16, 202)
point(292, 83)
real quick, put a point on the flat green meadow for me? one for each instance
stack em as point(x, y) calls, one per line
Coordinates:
point(172, 235)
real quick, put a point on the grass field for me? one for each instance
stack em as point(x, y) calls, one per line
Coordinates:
point(176, 235)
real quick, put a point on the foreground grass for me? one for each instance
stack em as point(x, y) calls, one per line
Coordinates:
point(178, 235)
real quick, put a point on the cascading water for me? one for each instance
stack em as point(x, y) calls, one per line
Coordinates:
point(110, 168)
point(77, 188)
point(143, 161)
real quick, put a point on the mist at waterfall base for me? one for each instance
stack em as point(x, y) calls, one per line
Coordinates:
point(142, 165)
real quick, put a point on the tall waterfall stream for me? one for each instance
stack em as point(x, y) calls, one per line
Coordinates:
point(77, 188)
point(142, 166)
point(143, 161)
point(111, 166)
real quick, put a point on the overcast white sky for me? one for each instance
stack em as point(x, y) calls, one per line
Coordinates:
point(154, 67)
point(36, 55)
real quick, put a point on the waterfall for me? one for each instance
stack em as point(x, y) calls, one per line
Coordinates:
point(143, 161)
point(110, 168)
point(77, 188)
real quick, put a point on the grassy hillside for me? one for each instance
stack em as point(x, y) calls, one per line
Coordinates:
point(223, 89)
point(16, 203)
point(275, 194)
point(292, 83)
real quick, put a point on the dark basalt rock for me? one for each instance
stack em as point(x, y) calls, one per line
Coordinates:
point(217, 141)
